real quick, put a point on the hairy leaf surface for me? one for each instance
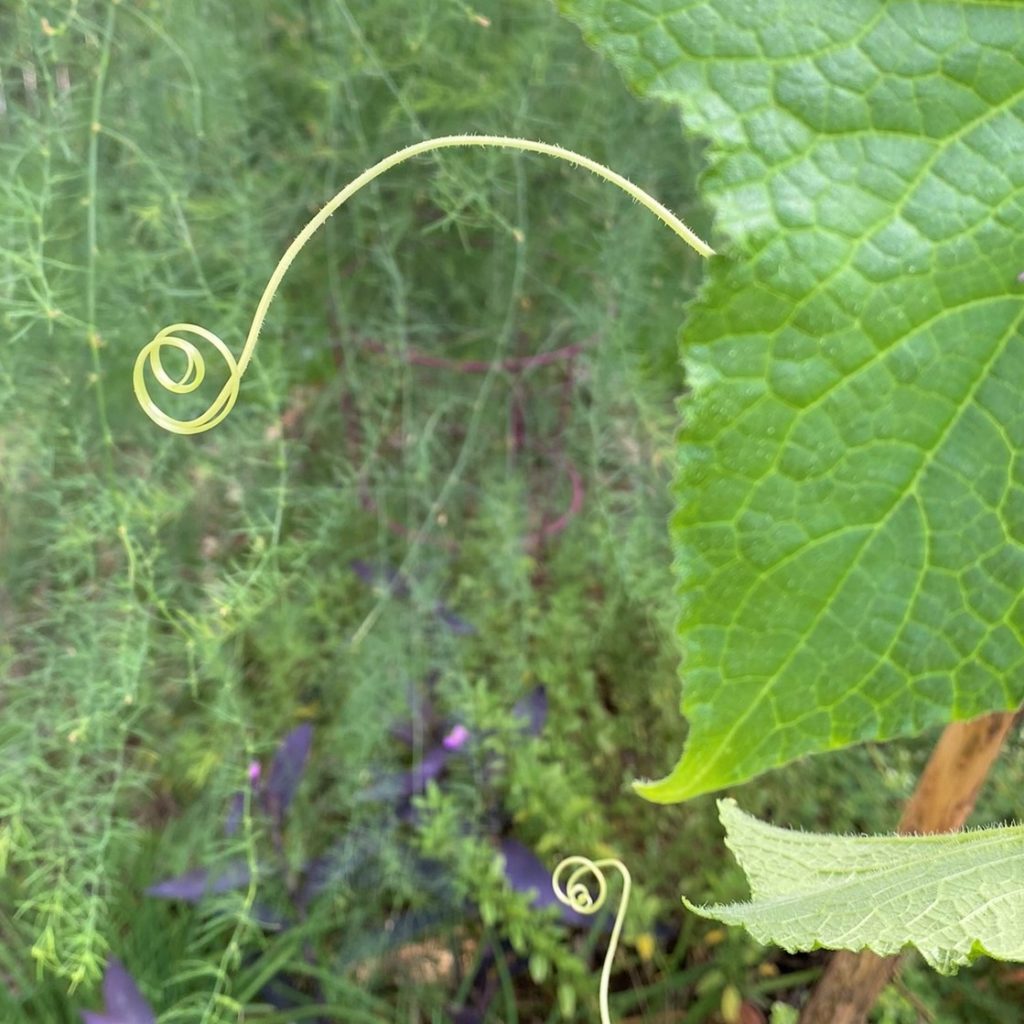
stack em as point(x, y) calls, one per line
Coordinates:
point(850, 503)
point(954, 897)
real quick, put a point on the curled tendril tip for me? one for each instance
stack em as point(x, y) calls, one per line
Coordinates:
point(577, 895)
point(194, 373)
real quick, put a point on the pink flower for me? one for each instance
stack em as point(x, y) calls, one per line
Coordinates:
point(456, 738)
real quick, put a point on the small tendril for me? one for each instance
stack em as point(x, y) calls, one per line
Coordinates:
point(190, 379)
point(577, 895)
point(195, 366)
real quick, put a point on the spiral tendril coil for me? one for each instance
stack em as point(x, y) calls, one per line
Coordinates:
point(577, 895)
point(195, 367)
point(188, 381)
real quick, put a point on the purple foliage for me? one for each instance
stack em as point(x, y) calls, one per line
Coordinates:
point(340, 863)
point(427, 770)
point(468, 1015)
point(193, 885)
point(533, 709)
point(234, 818)
point(390, 578)
point(277, 792)
point(286, 771)
point(124, 1001)
point(402, 785)
point(384, 575)
point(458, 625)
point(526, 873)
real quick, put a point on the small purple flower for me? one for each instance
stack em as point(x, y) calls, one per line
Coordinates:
point(456, 737)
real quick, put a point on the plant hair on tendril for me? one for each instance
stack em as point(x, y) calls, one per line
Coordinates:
point(577, 895)
point(177, 336)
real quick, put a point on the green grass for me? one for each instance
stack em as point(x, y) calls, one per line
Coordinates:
point(171, 607)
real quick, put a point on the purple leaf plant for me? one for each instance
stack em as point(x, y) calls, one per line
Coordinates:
point(273, 790)
point(526, 873)
point(193, 885)
point(286, 772)
point(274, 797)
point(124, 1003)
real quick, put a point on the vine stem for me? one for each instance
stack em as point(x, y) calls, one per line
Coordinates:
point(195, 366)
point(578, 896)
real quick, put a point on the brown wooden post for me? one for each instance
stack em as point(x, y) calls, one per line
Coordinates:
point(941, 802)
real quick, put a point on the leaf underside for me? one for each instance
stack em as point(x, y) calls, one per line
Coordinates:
point(953, 897)
point(849, 491)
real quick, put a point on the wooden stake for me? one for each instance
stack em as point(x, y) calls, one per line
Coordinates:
point(942, 801)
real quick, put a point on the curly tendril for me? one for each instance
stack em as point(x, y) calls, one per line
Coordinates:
point(195, 365)
point(577, 895)
point(190, 379)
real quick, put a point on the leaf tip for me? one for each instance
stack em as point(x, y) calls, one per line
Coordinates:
point(682, 783)
point(661, 791)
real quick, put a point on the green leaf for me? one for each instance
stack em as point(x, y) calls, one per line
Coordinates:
point(850, 504)
point(954, 897)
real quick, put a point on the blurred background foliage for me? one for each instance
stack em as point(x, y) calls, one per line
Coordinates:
point(172, 607)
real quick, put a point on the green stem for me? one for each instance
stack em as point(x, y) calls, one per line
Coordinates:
point(91, 232)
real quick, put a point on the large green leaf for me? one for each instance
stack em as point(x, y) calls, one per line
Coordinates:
point(850, 503)
point(954, 897)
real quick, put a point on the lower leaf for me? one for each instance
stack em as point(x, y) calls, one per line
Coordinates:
point(953, 897)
